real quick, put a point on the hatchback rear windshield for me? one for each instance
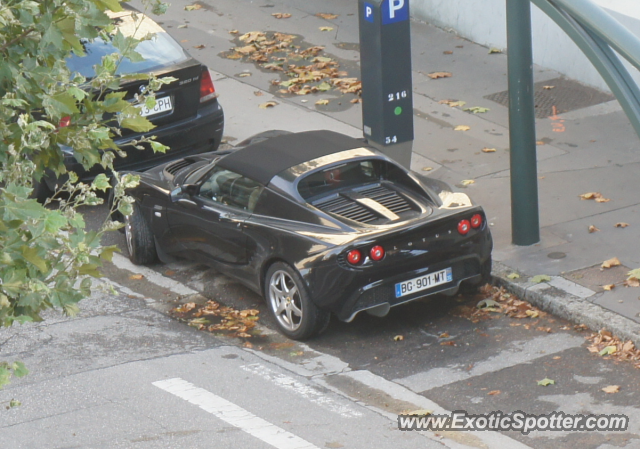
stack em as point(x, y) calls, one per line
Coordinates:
point(349, 175)
point(159, 51)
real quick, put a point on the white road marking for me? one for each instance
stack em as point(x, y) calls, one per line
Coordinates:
point(152, 276)
point(308, 392)
point(234, 415)
point(522, 352)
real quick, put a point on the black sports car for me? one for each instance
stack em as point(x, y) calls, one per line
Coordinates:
point(317, 222)
point(187, 114)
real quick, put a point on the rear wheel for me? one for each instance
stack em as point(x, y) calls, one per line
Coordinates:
point(296, 315)
point(140, 243)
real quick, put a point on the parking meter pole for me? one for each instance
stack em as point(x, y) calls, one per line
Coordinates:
point(385, 65)
point(525, 222)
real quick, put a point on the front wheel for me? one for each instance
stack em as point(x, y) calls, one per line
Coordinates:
point(296, 315)
point(140, 243)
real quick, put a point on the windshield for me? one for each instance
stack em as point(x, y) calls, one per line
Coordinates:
point(158, 52)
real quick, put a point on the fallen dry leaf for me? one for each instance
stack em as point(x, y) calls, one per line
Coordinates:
point(199, 47)
point(268, 104)
point(281, 15)
point(244, 75)
point(609, 287)
point(467, 182)
point(258, 93)
point(611, 389)
point(326, 29)
point(593, 229)
point(488, 150)
point(427, 168)
point(493, 392)
point(233, 31)
point(621, 225)
point(594, 196)
point(356, 100)
point(447, 52)
point(444, 335)
point(193, 7)
point(494, 50)
point(327, 16)
point(462, 128)
point(436, 75)
point(548, 87)
point(136, 277)
point(539, 142)
point(398, 338)
point(322, 102)
point(613, 262)
point(453, 103)
point(632, 282)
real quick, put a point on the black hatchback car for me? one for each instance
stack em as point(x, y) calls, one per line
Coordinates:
point(187, 115)
point(317, 222)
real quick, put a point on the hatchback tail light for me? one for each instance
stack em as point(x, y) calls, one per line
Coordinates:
point(207, 91)
point(64, 122)
point(463, 227)
point(376, 253)
point(476, 221)
point(354, 257)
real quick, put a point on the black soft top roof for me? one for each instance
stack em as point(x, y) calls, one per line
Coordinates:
point(263, 160)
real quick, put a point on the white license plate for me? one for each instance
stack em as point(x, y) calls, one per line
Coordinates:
point(424, 282)
point(162, 105)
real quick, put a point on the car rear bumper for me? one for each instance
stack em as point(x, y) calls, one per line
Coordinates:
point(199, 134)
point(346, 292)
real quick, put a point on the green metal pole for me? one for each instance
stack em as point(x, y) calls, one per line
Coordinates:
point(525, 222)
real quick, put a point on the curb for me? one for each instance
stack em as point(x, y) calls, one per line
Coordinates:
point(570, 306)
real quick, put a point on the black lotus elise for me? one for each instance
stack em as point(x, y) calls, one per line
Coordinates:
point(317, 222)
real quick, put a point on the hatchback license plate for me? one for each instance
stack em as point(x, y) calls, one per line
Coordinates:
point(424, 282)
point(162, 105)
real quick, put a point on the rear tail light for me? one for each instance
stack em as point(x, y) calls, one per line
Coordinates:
point(207, 91)
point(476, 221)
point(463, 227)
point(354, 256)
point(64, 122)
point(376, 253)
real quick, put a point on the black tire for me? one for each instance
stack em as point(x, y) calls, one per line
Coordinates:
point(140, 243)
point(295, 314)
point(41, 191)
point(485, 278)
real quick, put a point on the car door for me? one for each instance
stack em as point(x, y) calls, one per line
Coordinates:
point(209, 223)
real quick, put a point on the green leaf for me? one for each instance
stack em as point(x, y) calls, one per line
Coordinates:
point(89, 269)
point(14, 403)
point(323, 87)
point(138, 124)
point(23, 210)
point(19, 370)
point(113, 5)
point(31, 255)
point(635, 273)
point(64, 103)
point(608, 350)
point(158, 147)
point(513, 276)
point(54, 221)
point(101, 182)
point(546, 381)
point(540, 278)
point(107, 252)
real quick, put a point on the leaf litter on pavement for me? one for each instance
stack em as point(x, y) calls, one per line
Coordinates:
point(304, 69)
point(218, 319)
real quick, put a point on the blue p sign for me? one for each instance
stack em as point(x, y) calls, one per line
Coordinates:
point(395, 11)
point(368, 12)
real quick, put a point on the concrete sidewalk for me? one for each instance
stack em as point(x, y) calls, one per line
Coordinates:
point(586, 144)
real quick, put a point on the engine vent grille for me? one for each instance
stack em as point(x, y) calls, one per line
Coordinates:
point(347, 208)
point(177, 166)
point(388, 198)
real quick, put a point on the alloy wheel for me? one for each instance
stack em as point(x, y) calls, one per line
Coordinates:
point(285, 301)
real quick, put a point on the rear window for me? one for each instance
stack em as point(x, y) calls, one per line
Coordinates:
point(158, 52)
point(349, 175)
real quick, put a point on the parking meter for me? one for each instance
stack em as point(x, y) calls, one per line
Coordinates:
point(385, 63)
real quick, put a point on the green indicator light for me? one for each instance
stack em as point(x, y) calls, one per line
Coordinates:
point(397, 110)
